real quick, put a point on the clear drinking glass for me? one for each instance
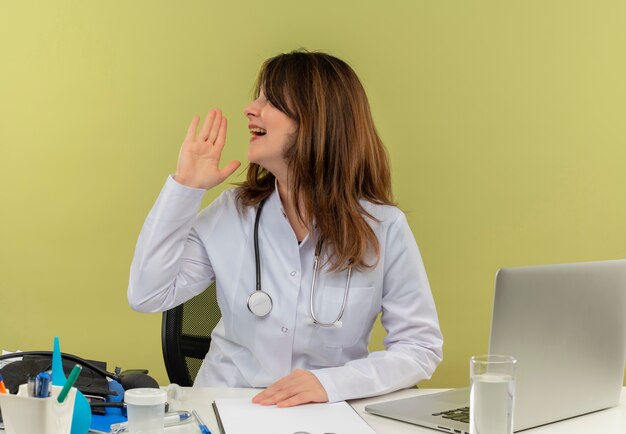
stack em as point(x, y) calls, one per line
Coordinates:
point(492, 395)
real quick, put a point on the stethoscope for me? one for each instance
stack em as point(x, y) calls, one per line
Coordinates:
point(260, 302)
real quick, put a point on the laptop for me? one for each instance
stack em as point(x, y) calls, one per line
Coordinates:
point(566, 326)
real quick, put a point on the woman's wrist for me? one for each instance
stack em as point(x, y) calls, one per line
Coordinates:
point(187, 182)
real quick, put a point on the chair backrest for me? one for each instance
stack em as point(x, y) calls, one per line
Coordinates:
point(186, 335)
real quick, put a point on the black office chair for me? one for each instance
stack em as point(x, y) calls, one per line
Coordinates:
point(186, 336)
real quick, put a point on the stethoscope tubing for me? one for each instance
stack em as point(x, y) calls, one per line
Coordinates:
point(337, 321)
point(257, 256)
point(260, 302)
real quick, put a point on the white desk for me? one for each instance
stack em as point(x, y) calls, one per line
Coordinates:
point(610, 421)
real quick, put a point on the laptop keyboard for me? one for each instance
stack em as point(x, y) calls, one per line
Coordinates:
point(458, 414)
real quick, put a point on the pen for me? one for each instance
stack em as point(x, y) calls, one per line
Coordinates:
point(69, 383)
point(42, 385)
point(3, 388)
point(203, 428)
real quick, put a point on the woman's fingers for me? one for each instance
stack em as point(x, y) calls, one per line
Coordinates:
point(279, 389)
point(199, 158)
point(267, 396)
point(214, 127)
point(300, 398)
point(191, 131)
point(230, 169)
point(297, 388)
point(208, 124)
point(221, 135)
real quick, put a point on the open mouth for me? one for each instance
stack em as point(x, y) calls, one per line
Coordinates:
point(257, 131)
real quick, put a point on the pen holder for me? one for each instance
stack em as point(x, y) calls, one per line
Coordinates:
point(23, 414)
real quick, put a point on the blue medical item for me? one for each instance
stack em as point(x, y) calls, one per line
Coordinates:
point(42, 385)
point(203, 428)
point(82, 411)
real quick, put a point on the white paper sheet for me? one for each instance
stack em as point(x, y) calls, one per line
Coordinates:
point(241, 416)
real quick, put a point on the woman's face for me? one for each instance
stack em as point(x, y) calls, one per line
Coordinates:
point(272, 133)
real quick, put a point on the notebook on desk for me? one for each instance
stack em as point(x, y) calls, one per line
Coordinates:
point(566, 326)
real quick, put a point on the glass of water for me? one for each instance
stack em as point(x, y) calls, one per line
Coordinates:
point(492, 395)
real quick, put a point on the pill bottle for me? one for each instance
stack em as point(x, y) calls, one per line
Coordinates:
point(146, 409)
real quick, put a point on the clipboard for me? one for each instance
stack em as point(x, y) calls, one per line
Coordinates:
point(241, 416)
point(220, 425)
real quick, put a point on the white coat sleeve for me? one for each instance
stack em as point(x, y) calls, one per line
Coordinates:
point(170, 264)
point(413, 345)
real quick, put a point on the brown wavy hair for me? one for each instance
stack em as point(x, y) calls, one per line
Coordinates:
point(337, 157)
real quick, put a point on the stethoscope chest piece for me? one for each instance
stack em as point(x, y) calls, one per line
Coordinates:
point(260, 303)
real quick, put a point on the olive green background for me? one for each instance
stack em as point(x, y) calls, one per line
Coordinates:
point(504, 121)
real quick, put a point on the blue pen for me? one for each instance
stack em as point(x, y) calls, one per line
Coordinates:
point(203, 428)
point(42, 385)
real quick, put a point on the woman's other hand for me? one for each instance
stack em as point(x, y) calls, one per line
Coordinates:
point(199, 158)
point(299, 387)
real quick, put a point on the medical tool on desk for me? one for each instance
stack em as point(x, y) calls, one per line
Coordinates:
point(69, 383)
point(260, 302)
point(203, 428)
point(170, 419)
point(129, 379)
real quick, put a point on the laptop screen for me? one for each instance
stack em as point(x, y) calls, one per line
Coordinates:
point(566, 326)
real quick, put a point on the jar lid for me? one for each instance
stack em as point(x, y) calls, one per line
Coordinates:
point(145, 396)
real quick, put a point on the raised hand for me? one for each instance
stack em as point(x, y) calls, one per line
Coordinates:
point(199, 158)
point(299, 387)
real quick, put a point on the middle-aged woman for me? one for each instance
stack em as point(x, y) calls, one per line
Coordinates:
point(318, 186)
